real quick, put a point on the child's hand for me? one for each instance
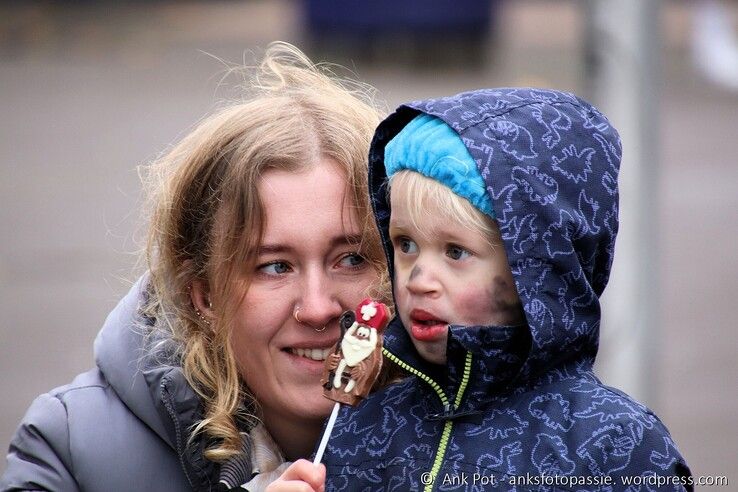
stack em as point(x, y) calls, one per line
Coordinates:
point(300, 476)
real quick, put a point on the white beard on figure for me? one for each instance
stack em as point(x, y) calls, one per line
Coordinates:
point(354, 349)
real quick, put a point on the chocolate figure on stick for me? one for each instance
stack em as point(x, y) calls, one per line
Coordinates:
point(352, 368)
point(354, 363)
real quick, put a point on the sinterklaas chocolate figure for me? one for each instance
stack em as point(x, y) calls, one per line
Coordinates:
point(354, 364)
point(355, 361)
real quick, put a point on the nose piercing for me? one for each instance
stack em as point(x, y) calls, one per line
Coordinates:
point(296, 315)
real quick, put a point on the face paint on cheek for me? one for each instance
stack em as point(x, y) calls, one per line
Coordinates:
point(415, 272)
point(506, 305)
point(474, 306)
point(495, 305)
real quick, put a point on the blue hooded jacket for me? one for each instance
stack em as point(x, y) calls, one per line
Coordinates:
point(512, 404)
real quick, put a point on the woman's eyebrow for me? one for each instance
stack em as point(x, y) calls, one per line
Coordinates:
point(268, 249)
point(351, 239)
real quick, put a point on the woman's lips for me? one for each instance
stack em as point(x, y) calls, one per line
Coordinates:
point(309, 363)
point(426, 327)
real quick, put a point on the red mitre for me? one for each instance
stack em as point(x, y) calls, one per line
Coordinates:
point(376, 312)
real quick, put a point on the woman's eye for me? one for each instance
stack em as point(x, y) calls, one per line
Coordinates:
point(456, 252)
point(407, 246)
point(352, 260)
point(274, 268)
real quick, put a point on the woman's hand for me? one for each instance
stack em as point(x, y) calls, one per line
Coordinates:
point(300, 476)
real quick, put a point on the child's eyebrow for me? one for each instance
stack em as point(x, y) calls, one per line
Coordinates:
point(438, 233)
point(448, 236)
point(398, 227)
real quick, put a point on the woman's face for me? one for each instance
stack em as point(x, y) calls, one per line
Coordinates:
point(308, 258)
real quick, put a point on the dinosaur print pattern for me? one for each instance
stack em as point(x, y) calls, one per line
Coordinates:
point(531, 402)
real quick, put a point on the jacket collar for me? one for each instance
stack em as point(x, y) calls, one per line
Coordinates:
point(496, 355)
point(180, 409)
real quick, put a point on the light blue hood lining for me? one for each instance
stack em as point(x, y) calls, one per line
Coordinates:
point(430, 147)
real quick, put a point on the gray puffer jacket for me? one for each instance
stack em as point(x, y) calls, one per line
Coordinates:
point(122, 426)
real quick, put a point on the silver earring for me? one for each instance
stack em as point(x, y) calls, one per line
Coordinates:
point(197, 311)
point(203, 318)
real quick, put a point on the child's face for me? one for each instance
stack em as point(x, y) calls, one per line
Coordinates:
point(445, 275)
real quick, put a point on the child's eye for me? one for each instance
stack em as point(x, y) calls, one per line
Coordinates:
point(407, 246)
point(457, 252)
point(352, 260)
point(274, 268)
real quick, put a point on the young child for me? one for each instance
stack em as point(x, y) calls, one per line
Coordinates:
point(498, 210)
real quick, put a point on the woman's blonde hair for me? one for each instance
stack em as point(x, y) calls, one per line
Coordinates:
point(207, 218)
point(417, 192)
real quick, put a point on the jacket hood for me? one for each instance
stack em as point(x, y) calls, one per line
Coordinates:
point(145, 376)
point(550, 163)
point(119, 356)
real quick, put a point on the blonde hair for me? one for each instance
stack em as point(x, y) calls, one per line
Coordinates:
point(207, 218)
point(417, 193)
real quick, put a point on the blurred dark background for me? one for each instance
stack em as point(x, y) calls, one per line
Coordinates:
point(90, 90)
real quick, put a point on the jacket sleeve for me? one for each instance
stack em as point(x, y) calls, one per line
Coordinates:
point(660, 454)
point(635, 450)
point(39, 454)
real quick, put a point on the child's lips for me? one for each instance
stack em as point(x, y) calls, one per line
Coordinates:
point(426, 327)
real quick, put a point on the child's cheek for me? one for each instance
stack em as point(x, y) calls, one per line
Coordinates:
point(474, 305)
point(494, 305)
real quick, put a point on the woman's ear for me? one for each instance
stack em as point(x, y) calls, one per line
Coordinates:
point(200, 297)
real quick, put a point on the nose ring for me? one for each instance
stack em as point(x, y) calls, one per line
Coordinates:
point(296, 315)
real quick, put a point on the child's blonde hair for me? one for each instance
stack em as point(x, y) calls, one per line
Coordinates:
point(416, 192)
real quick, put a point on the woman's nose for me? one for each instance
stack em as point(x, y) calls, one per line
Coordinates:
point(318, 301)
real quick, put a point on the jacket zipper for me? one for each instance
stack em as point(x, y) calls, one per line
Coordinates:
point(178, 433)
point(448, 425)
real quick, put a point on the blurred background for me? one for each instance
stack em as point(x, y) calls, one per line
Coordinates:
point(90, 90)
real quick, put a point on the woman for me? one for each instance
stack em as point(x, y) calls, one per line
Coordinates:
point(208, 370)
